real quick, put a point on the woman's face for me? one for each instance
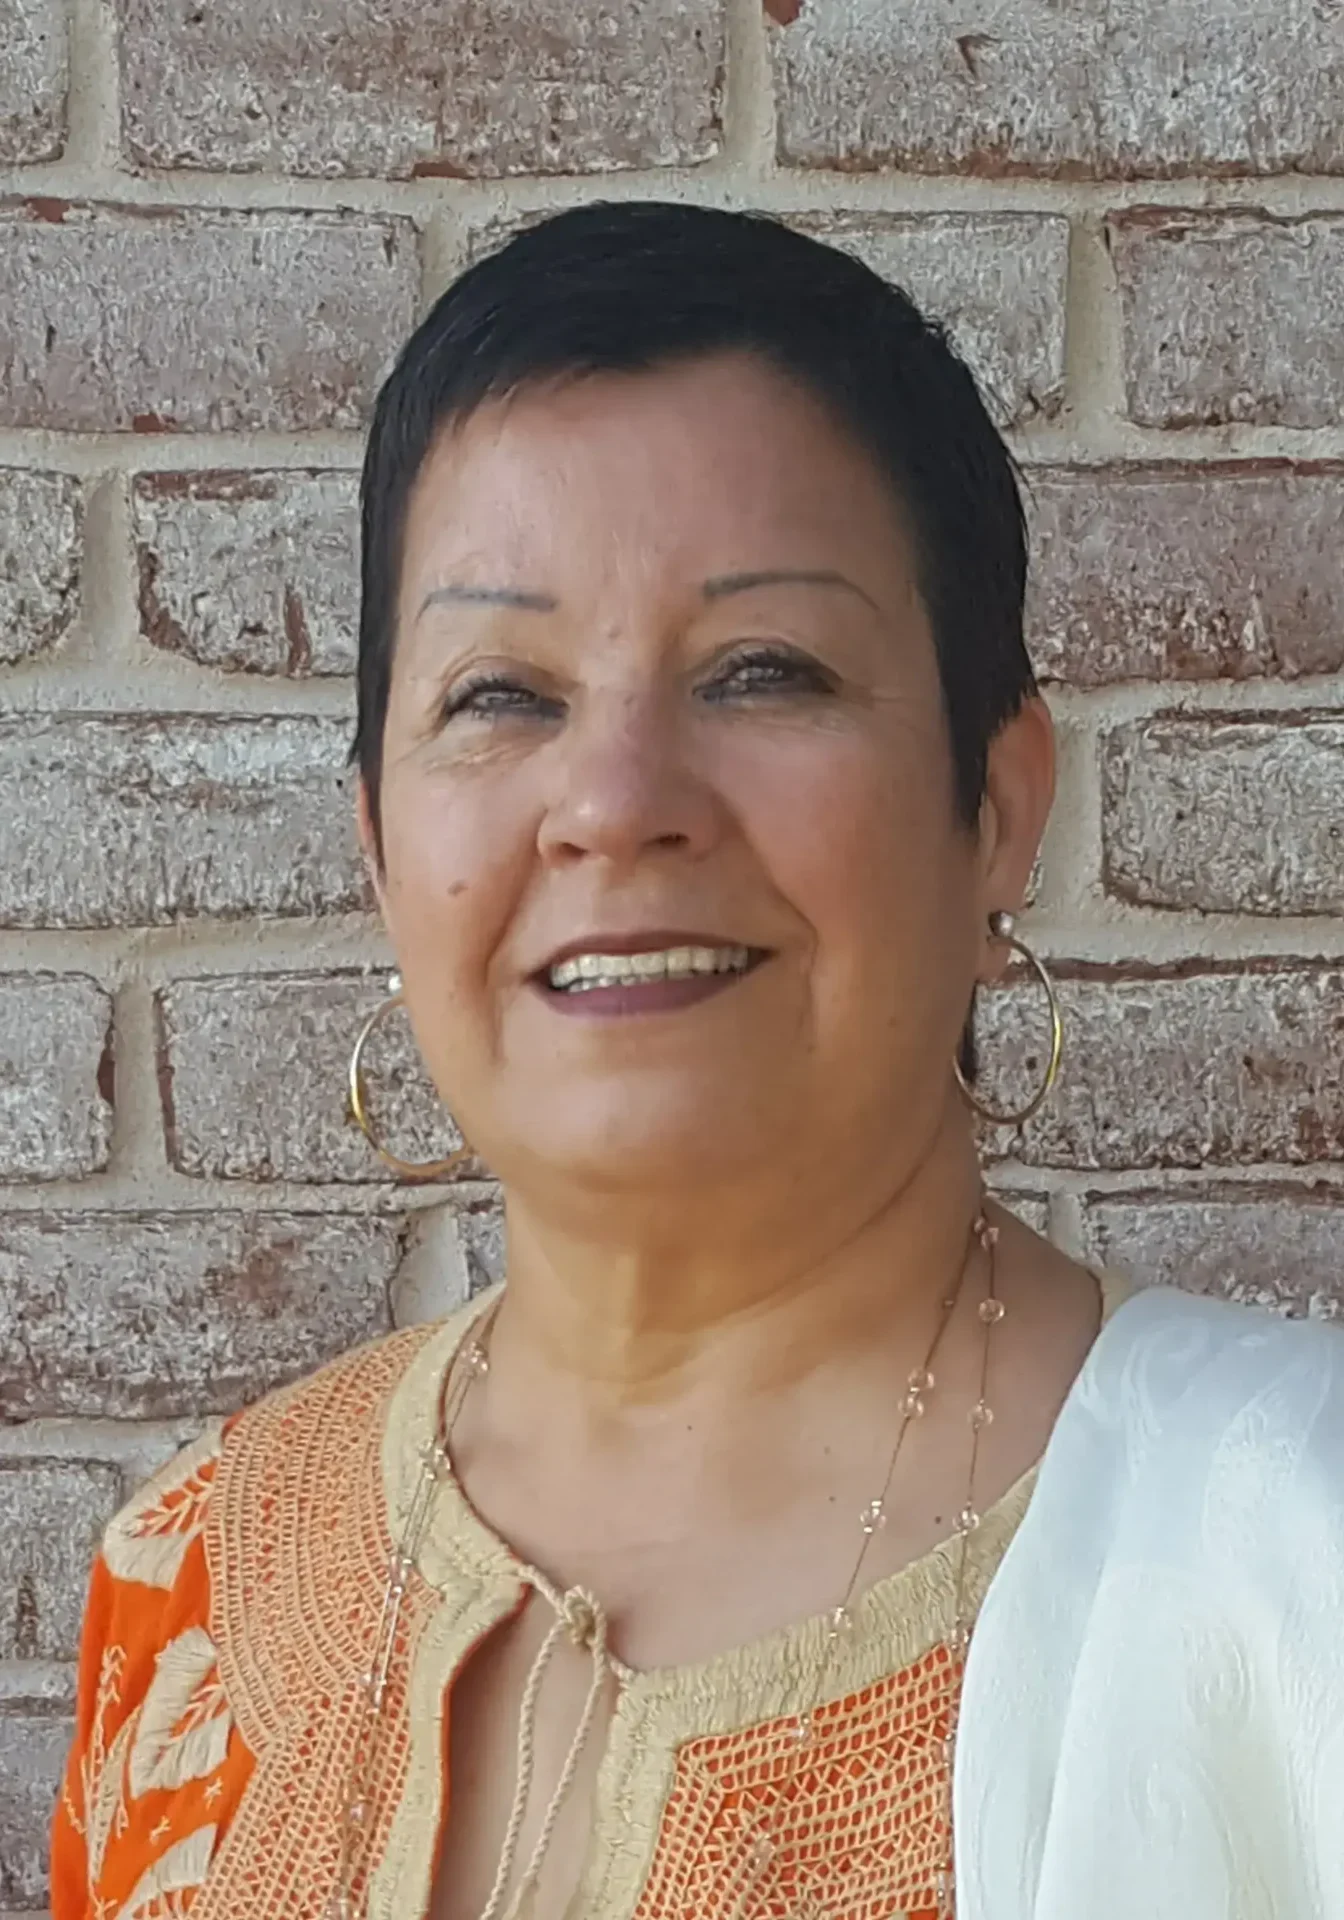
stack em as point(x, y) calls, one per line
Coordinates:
point(663, 685)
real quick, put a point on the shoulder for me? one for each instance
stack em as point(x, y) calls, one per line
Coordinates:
point(188, 1650)
point(149, 1541)
point(1160, 1650)
point(1178, 1380)
point(1202, 1443)
point(339, 1410)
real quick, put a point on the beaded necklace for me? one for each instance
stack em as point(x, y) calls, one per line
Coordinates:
point(579, 1616)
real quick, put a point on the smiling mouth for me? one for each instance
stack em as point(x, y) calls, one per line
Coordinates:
point(656, 980)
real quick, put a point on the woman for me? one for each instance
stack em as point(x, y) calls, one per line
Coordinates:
point(701, 772)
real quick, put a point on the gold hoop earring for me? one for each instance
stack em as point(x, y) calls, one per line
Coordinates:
point(1001, 926)
point(359, 1100)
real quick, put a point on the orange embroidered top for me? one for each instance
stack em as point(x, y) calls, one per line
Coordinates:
point(233, 1611)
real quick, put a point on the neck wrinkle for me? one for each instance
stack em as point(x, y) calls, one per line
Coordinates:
point(631, 1326)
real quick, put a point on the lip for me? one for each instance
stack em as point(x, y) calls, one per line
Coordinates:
point(658, 940)
point(653, 997)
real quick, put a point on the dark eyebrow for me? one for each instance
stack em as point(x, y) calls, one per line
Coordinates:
point(726, 583)
point(464, 596)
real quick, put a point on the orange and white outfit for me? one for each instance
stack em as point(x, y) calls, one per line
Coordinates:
point(1153, 1716)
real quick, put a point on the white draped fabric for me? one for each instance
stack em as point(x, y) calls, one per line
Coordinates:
point(1153, 1720)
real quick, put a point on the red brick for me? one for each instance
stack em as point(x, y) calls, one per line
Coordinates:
point(1205, 1065)
point(52, 1514)
point(997, 281)
point(34, 74)
point(1231, 317)
point(174, 817)
point(1227, 815)
point(152, 1316)
point(251, 572)
point(55, 1076)
point(467, 87)
point(1062, 90)
point(41, 526)
point(154, 320)
point(1275, 1249)
point(32, 1759)
point(1186, 573)
point(254, 1072)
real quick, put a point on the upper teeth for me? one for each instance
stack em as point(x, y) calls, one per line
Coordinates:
point(586, 970)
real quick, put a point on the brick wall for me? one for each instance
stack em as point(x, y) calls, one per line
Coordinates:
point(216, 224)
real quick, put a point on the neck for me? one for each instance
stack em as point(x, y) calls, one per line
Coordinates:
point(645, 1319)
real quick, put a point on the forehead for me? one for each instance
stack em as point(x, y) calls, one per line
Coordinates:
point(713, 464)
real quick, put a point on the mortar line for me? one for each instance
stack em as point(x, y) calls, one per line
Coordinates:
point(749, 96)
point(101, 180)
point(1112, 932)
point(103, 639)
point(166, 1191)
point(1093, 345)
point(1101, 440)
point(1071, 852)
point(72, 678)
point(94, 137)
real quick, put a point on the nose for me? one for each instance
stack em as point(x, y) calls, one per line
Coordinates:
point(625, 785)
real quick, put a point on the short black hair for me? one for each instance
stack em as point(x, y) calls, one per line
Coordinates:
point(621, 288)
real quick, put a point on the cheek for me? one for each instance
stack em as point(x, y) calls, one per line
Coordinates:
point(455, 862)
point(860, 840)
point(863, 844)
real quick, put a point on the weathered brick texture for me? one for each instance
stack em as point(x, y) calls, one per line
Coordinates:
point(996, 281)
point(1186, 573)
point(1227, 815)
point(1276, 1249)
point(1218, 1066)
point(1075, 91)
point(174, 816)
point(32, 1757)
point(34, 74)
point(1231, 317)
point(250, 572)
point(156, 320)
point(56, 1075)
point(267, 195)
point(149, 1316)
point(51, 1515)
point(459, 87)
point(41, 521)
point(254, 1078)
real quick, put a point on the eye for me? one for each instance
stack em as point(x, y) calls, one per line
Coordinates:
point(767, 670)
point(497, 696)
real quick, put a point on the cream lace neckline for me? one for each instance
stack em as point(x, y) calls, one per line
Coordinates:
point(904, 1611)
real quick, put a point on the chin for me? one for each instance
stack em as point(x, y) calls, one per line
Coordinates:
point(653, 1152)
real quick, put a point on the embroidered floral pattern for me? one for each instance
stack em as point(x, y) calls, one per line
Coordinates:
point(184, 1726)
point(100, 1773)
point(148, 1541)
point(157, 1769)
point(164, 1891)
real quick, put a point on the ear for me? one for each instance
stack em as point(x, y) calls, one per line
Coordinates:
point(1019, 790)
point(368, 845)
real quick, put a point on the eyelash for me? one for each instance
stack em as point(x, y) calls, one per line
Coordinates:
point(492, 696)
point(770, 670)
point(465, 697)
